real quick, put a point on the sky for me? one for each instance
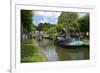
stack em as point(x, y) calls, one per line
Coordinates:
point(48, 17)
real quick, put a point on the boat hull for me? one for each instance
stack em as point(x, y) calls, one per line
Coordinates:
point(70, 43)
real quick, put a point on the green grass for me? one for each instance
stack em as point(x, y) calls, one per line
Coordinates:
point(86, 41)
point(31, 53)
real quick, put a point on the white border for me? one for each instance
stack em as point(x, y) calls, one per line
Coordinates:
point(17, 66)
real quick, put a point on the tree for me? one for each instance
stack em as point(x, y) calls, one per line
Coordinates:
point(69, 20)
point(26, 24)
point(60, 29)
point(84, 23)
point(33, 27)
point(26, 19)
point(44, 26)
point(51, 30)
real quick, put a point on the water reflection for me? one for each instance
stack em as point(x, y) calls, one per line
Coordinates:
point(73, 53)
point(56, 53)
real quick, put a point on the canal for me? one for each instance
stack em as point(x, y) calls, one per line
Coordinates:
point(56, 53)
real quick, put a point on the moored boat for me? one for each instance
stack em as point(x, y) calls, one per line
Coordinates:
point(70, 42)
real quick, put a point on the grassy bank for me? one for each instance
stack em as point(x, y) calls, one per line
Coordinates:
point(31, 53)
point(86, 41)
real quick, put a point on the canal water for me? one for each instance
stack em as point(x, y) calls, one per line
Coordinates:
point(57, 53)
